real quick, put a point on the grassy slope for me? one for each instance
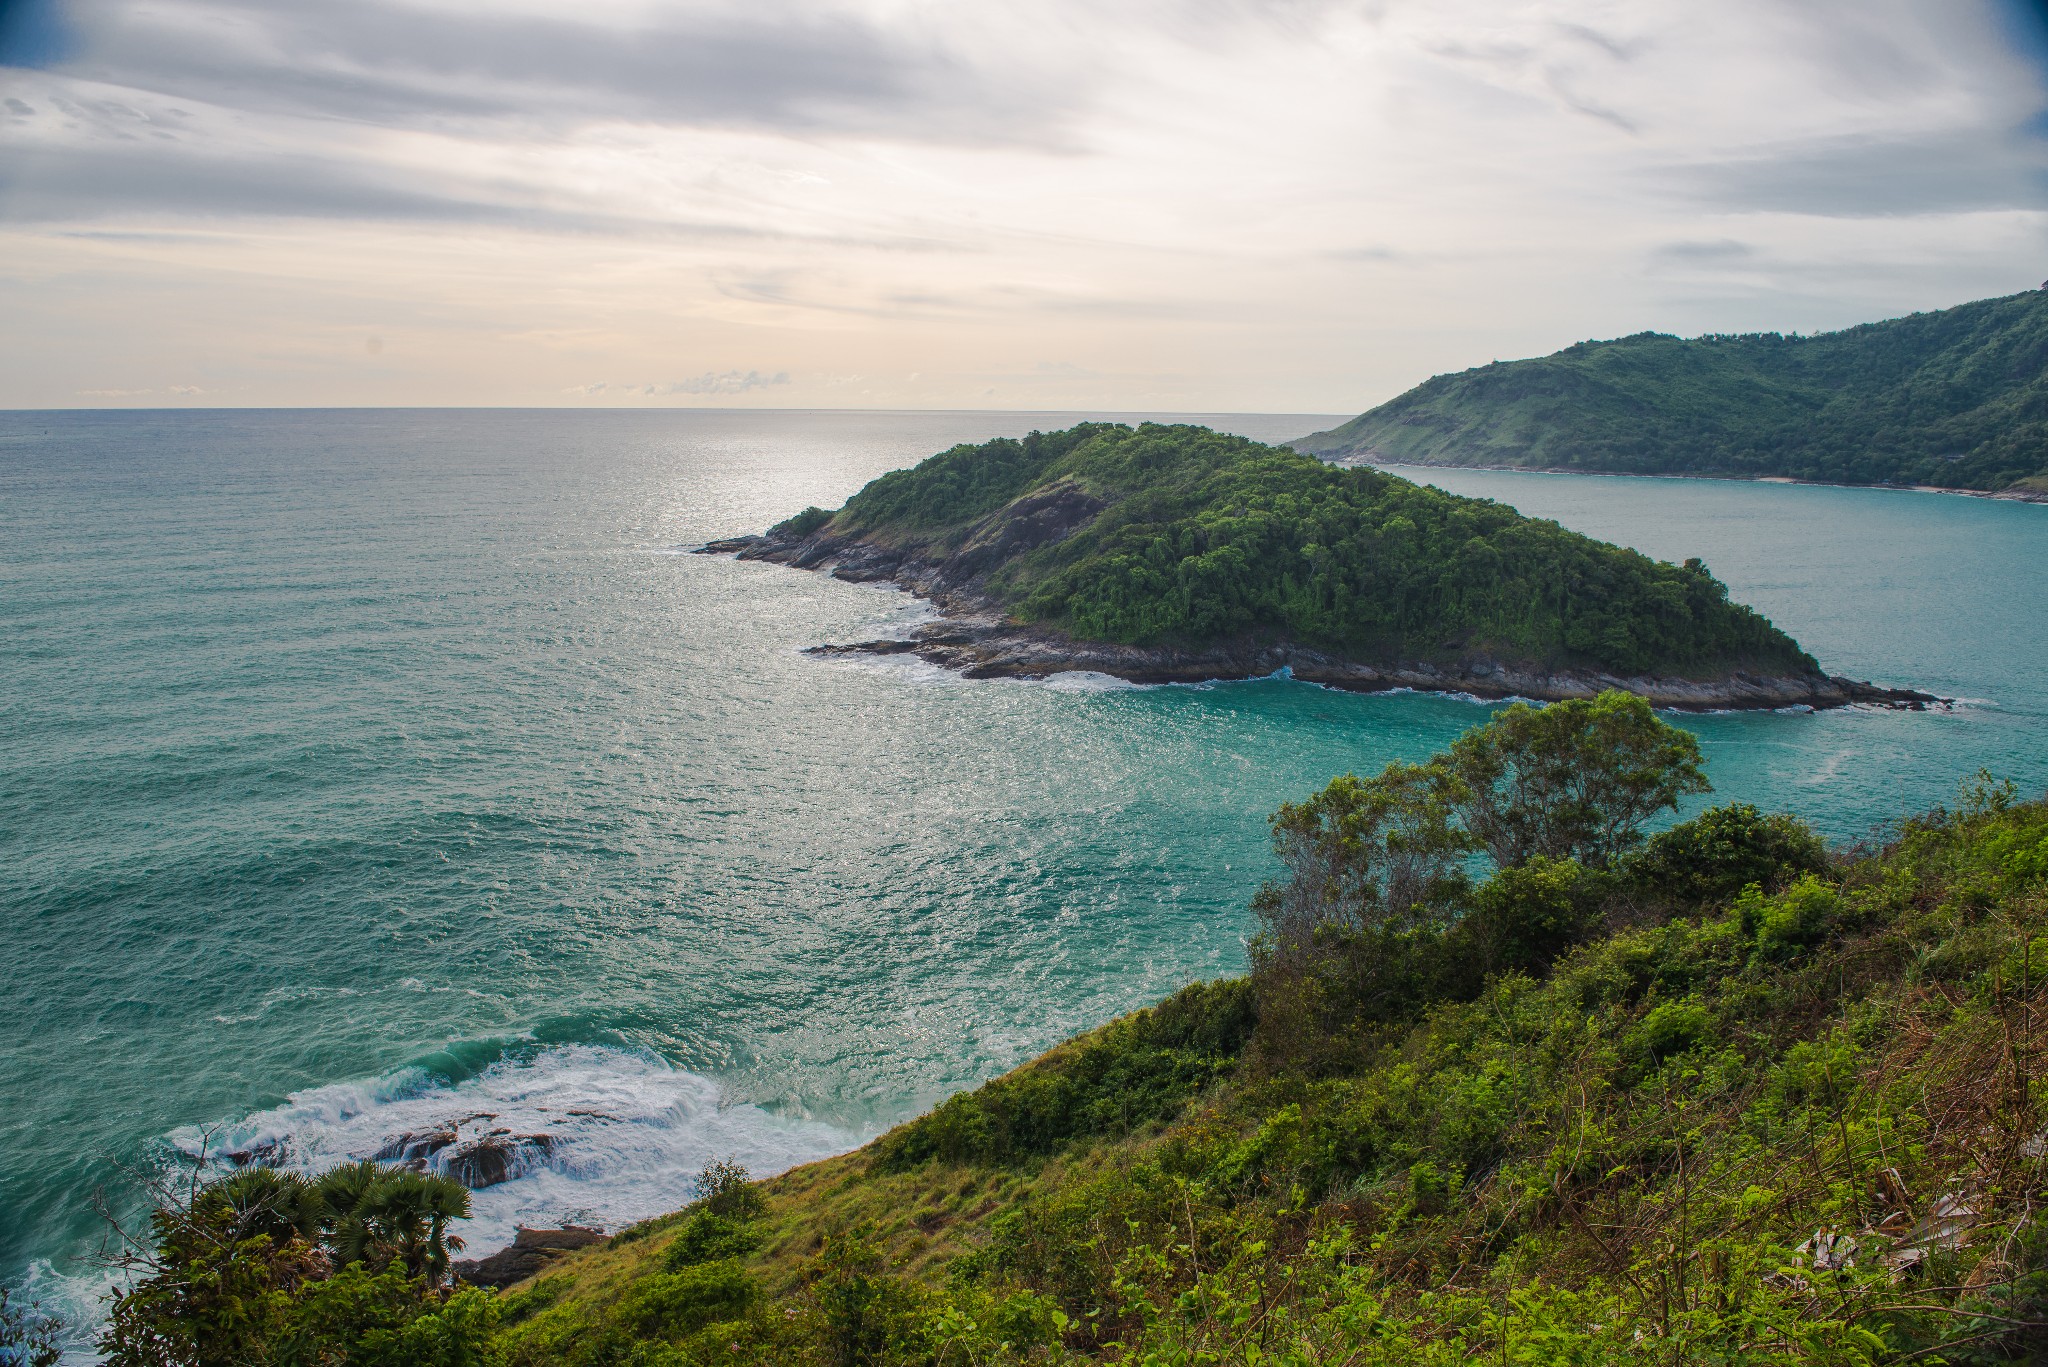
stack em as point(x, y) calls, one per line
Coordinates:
point(1625, 1161)
point(1956, 398)
point(1183, 536)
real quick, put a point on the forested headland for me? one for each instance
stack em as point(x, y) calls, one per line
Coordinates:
point(1179, 540)
point(1513, 1077)
point(1954, 399)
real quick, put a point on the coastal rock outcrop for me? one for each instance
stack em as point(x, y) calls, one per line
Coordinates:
point(976, 638)
point(497, 1157)
point(531, 1251)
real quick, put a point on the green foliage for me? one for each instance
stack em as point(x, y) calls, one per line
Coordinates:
point(1789, 922)
point(28, 1337)
point(265, 1266)
point(1527, 915)
point(1720, 852)
point(1129, 1073)
point(673, 1304)
point(1574, 780)
point(725, 1189)
point(368, 1213)
point(802, 524)
point(868, 1316)
point(706, 1236)
point(1956, 399)
point(1180, 535)
point(1376, 918)
point(357, 1318)
point(1374, 854)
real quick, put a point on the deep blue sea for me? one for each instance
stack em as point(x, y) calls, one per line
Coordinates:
point(363, 769)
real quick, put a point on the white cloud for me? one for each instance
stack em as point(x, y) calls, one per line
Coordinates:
point(1280, 204)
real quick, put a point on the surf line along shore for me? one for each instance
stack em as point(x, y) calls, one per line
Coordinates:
point(981, 642)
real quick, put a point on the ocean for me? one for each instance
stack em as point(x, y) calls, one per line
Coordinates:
point(363, 770)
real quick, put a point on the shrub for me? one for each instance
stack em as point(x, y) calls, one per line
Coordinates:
point(1129, 1073)
point(1524, 917)
point(724, 1188)
point(869, 1317)
point(1794, 919)
point(708, 1236)
point(1720, 852)
point(672, 1304)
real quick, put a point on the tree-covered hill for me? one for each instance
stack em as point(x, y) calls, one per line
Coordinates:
point(1955, 399)
point(1181, 537)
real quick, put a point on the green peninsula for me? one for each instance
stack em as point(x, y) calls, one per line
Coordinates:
point(1955, 399)
point(1176, 553)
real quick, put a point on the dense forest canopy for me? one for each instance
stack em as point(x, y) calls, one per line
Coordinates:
point(1178, 535)
point(1955, 399)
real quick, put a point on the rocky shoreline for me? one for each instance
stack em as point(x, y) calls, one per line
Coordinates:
point(974, 637)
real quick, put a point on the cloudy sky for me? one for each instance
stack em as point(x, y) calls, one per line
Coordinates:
point(1278, 205)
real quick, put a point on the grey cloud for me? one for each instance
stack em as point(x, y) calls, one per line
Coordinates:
point(113, 177)
point(1723, 249)
point(378, 62)
point(19, 108)
point(1857, 177)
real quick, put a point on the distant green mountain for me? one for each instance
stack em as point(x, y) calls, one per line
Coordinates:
point(1956, 399)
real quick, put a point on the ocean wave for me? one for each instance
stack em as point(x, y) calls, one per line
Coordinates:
point(625, 1131)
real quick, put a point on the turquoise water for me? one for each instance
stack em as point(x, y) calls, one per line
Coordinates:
point(364, 769)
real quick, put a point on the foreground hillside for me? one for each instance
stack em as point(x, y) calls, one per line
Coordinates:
point(1177, 553)
point(1721, 1098)
point(1956, 399)
point(1714, 1096)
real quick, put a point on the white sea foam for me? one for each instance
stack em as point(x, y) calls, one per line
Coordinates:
point(629, 1132)
point(1086, 681)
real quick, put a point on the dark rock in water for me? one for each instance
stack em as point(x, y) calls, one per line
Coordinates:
point(263, 1154)
point(531, 1251)
point(497, 1157)
point(414, 1149)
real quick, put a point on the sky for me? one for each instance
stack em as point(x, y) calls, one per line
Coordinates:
point(1214, 205)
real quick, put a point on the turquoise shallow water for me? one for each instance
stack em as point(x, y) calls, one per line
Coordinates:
point(363, 769)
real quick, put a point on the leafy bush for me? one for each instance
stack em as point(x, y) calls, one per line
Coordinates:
point(1129, 1073)
point(1524, 917)
point(725, 1188)
point(1721, 851)
point(708, 1236)
point(673, 1304)
point(1790, 921)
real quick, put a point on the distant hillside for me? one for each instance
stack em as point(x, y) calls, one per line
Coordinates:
point(1201, 555)
point(1956, 399)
